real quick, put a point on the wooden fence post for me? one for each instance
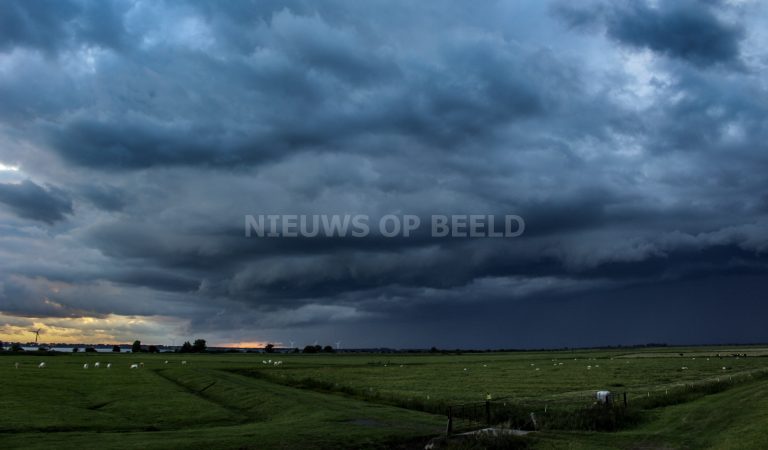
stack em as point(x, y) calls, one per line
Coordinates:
point(449, 427)
point(488, 412)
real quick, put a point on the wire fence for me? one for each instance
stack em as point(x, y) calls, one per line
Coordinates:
point(583, 410)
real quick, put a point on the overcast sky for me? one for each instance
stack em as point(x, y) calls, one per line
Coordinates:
point(631, 137)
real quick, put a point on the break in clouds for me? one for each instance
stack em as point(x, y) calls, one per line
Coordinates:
point(630, 136)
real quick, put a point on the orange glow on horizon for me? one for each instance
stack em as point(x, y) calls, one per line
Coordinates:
point(111, 329)
point(248, 344)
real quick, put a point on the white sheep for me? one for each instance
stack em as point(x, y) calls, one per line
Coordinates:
point(166, 362)
point(184, 363)
point(41, 365)
point(85, 366)
point(97, 364)
point(16, 365)
point(134, 366)
point(109, 365)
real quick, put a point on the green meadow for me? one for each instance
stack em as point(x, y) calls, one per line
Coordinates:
point(681, 398)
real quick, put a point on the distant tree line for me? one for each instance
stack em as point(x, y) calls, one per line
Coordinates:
point(270, 348)
point(199, 346)
point(136, 347)
point(318, 349)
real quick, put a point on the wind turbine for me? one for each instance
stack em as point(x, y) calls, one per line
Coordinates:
point(338, 345)
point(292, 347)
point(37, 333)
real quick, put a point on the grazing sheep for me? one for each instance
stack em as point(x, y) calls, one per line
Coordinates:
point(97, 364)
point(41, 365)
point(166, 362)
point(141, 364)
point(184, 363)
point(134, 366)
point(109, 365)
point(684, 368)
point(85, 366)
point(16, 365)
point(263, 361)
point(604, 397)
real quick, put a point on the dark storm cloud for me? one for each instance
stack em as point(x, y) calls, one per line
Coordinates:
point(164, 123)
point(689, 30)
point(32, 201)
point(304, 99)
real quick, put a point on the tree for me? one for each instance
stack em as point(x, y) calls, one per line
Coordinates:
point(310, 349)
point(328, 349)
point(199, 346)
point(136, 347)
point(269, 348)
point(75, 349)
point(116, 349)
point(153, 349)
point(16, 347)
point(90, 350)
point(186, 347)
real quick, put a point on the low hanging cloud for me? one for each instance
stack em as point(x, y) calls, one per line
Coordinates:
point(32, 201)
point(689, 30)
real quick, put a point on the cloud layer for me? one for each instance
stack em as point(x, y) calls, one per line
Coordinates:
point(629, 135)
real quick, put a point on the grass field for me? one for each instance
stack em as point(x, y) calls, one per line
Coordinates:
point(369, 401)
